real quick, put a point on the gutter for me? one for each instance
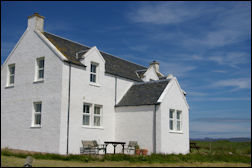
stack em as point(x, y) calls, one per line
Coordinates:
point(68, 111)
point(154, 129)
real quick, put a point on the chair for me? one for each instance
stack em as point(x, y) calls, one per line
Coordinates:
point(91, 147)
point(132, 146)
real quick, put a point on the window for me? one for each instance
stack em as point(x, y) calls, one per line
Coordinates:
point(97, 116)
point(11, 78)
point(86, 114)
point(178, 120)
point(37, 114)
point(171, 116)
point(93, 74)
point(40, 69)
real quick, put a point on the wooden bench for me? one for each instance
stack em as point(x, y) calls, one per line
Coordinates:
point(91, 147)
point(194, 146)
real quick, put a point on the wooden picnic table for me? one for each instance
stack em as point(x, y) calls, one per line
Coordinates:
point(114, 143)
point(193, 145)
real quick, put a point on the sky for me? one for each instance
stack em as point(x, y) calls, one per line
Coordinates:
point(205, 45)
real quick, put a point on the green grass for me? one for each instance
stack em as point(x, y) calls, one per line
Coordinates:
point(220, 152)
point(11, 161)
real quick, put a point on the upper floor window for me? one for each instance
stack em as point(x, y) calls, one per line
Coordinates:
point(93, 72)
point(40, 69)
point(11, 76)
point(37, 114)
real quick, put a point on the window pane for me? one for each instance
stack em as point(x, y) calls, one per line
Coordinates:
point(12, 79)
point(92, 78)
point(171, 124)
point(171, 113)
point(178, 114)
point(41, 73)
point(85, 120)
point(37, 119)
point(41, 63)
point(97, 121)
point(85, 108)
point(12, 70)
point(97, 110)
point(38, 107)
point(93, 68)
point(178, 125)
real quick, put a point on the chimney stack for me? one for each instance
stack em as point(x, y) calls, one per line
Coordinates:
point(155, 65)
point(36, 22)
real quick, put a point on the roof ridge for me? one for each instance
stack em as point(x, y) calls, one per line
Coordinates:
point(149, 82)
point(91, 47)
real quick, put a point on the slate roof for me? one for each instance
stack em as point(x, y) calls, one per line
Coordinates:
point(141, 72)
point(146, 93)
point(114, 65)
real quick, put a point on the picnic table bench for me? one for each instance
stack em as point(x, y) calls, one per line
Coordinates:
point(193, 145)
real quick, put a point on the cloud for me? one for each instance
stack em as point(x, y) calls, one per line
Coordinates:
point(239, 83)
point(164, 13)
point(222, 119)
point(177, 69)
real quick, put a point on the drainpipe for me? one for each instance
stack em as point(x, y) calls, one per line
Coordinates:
point(115, 89)
point(68, 112)
point(154, 129)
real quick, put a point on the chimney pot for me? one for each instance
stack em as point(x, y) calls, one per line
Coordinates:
point(36, 22)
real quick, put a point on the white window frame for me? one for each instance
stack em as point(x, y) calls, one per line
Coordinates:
point(94, 73)
point(179, 120)
point(34, 113)
point(172, 119)
point(37, 69)
point(97, 115)
point(9, 75)
point(86, 114)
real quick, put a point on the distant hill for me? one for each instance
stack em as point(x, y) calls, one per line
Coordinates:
point(236, 139)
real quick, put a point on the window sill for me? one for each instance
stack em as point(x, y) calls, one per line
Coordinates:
point(94, 84)
point(176, 132)
point(35, 126)
point(39, 81)
point(92, 127)
point(9, 86)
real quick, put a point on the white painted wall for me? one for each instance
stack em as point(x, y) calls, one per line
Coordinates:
point(17, 102)
point(135, 123)
point(82, 91)
point(172, 142)
point(150, 74)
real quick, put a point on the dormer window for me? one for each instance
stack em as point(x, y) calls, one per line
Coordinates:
point(93, 72)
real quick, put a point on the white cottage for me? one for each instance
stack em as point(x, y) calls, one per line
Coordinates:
point(56, 92)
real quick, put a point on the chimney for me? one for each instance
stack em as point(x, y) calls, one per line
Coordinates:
point(36, 22)
point(155, 65)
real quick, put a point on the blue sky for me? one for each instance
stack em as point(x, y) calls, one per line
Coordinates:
point(206, 45)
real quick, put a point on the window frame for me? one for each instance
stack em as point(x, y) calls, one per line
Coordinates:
point(96, 74)
point(35, 113)
point(38, 69)
point(97, 115)
point(86, 114)
point(172, 119)
point(9, 75)
point(175, 121)
point(179, 120)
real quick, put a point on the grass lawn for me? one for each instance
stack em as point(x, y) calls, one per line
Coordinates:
point(11, 161)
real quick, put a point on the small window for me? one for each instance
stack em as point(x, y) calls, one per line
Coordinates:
point(93, 74)
point(40, 69)
point(171, 120)
point(86, 114)
point(37, 114)
point(178, 120)
point(11, 76)
point(97, 116)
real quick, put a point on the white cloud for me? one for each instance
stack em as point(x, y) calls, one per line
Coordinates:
point(177, 69)
point(239, 83)
point(164, 13)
